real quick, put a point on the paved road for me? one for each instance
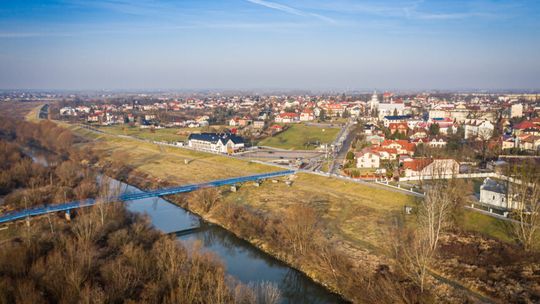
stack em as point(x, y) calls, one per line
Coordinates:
point(342, 143)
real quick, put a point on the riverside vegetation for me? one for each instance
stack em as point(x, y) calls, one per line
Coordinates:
point(106, 254)
point(396, 270)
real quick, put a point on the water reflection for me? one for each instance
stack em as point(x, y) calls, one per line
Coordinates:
point(243, 261)
point(249, 264)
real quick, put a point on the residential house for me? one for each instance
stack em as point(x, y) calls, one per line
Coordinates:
point(234, 122)
point(367, 159)
point(400, 127)
point(287, 117)
point(258, 124)
point(437, 142)
point(334, 109)
point(68, 111)
point(529, 142)
point(427, 167)
point(93, 118)
point(387, 120)
point(476, 128)
point(375, 139)
point(276, 128)
point(401, 146)
point(307, 115)
point(419, 133)
point(527, 127)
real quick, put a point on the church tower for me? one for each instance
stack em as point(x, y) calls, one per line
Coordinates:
point(374, 102)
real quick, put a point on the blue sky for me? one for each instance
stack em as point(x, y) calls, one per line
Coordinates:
point(266, 44)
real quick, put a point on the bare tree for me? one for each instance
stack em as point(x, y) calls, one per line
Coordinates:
point(267, 292)
point(434, 212)
point(524, 198)
point(108, 193)
point(300, 223)
point(415, 249)
point(206, 199)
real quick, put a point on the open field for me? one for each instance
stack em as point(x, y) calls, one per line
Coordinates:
point(484, 224)
point(353, 212)
point(26, 110)
point(166, 134)
point(300, 137)
point(168, 162)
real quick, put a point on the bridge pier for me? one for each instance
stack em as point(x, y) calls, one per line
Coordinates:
point(68, 215)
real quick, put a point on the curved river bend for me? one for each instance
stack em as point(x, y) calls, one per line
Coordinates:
point(242, 260)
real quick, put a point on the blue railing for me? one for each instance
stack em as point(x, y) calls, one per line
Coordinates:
point(16, 215)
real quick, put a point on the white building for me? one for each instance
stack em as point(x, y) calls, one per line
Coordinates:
point(483, 129)
point(374, 102)
point(367, 159)
point(516, 110)
point(68, 111)
point(216, 143)
point(424, 167)
point(390, 109)
point(494, 194)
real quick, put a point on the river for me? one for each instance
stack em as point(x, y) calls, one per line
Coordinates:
point(242, 260)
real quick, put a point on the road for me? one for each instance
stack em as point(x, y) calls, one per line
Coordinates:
point(342, 144)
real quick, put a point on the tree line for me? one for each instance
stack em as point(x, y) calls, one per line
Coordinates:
point(106, 254)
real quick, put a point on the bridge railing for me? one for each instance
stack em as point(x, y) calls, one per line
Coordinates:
point(16, 215)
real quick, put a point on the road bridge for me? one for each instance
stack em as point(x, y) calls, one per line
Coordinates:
point(17, 215)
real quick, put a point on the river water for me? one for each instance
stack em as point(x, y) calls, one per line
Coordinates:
point(242, 260)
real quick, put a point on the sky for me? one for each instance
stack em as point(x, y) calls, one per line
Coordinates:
point(270, 44)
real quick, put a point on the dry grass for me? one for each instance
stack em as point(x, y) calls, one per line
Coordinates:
point(26, 110)
point(169, 162)
point(167, 134)
point(352, 212)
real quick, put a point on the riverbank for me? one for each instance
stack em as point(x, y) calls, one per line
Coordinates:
point(139, 180)
point(355, 219)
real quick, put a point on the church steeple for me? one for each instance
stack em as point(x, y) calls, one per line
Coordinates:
point(374, 102)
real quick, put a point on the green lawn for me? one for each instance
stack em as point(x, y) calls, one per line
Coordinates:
point(301, 137)
point(485, 224)
point(166, 134)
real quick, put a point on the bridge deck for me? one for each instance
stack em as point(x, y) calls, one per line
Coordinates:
point(12, 216)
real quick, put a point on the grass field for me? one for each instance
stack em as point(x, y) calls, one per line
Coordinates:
point(487, 225)
point(301, 137)
point(26, 110)
point(166, 134)
point(169, 162)
point(352, 212)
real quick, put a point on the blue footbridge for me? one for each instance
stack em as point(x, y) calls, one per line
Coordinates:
point(66, 207)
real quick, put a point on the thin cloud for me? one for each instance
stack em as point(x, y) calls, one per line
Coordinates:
point(130, 7)
point(86, 30)
point(402, 9)
point(290, 10)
